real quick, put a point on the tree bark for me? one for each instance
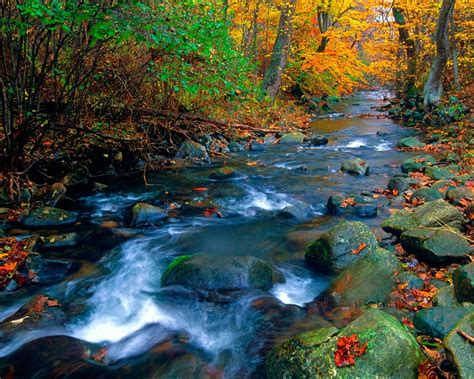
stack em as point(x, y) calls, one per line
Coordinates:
point(433, 89)
point(457, 82)
point(409, 84)
point(281, 48)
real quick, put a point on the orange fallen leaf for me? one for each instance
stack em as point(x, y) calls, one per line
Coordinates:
point(361, 247)
point(200, 189)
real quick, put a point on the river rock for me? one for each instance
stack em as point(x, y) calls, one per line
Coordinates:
point(60, 240)
point(355, 166)
point(401, 183)
point(426, 194)
point(438, 321)
point(318, 140)
point(205, 140)
point(144, 214)
point(463, 281)
point(391, 352)
point(445, 297)
point(442, 186)
point(49, 217)
point(460, 350)
point(222, 173)
point(412, 281)
point(455, 195)
point(193, 150)
point(203, 271)
point(430, 214)
point(370, 280)
point(256, 146)
point(46, 271)
point(410, 143)
point(292, 138)
point(50, 195)
point(418, 163)
point(300, 211)
point(333, 250)
point(269, 139)
point(442, 173)
point(364, 206)
point(235, 147)
point(40, 312)
point(436, 246)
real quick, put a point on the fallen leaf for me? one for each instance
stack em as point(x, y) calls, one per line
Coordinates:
point(361, 247)
point(348, 348)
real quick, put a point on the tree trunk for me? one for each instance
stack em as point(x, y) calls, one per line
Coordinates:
point(457, 83)
point(324, 20)
point(434, 86)
point(281, 48)
point(409, 43)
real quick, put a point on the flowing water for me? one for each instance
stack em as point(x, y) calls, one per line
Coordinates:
point(118, 303)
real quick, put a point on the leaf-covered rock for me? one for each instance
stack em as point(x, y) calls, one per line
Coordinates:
point(49, 217)
point(391, 351)
point(418, 163)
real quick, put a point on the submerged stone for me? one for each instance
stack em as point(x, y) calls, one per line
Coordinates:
point(144, 214)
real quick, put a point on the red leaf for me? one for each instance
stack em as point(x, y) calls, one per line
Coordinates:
point(200, 189)
point(348, 349)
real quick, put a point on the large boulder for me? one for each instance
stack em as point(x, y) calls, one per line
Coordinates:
point(211, 272)
point(391, 351)
point(338, 248)
point(460, 350)
point(370, 280)
point(463, 281)
point(193, 150)
point(410, 143)
point(437, 246)
point(438, 321)
point(431, 214)
point(292, 138)
point(355, 166)
point(146, 214)
point(49, 217)
point(418, 163)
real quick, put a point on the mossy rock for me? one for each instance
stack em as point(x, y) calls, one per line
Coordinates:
point(410, 143)
point(144, 214)
point(439, 211)
point(333, 250)
point(445, 297)
point(442, 173)
point(369, 280)
point(399, 222)
point(426, 194)
point(355, 166)
point(401, 183)
point(391, 352)
point(49, 217)
point(418, 163)
point(460, 350)
point(436, 246)
point(212, 272)
point(463, 281)
point(292, 138)
point(438, 321)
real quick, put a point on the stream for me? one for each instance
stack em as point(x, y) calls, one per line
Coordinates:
point(113, 299)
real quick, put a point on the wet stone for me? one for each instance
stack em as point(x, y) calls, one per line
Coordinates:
point(49, 217)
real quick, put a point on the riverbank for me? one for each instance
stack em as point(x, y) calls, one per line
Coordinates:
point(103, 272)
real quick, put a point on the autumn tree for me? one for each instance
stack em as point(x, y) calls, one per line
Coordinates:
point(433, 89)
point(281, 48)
